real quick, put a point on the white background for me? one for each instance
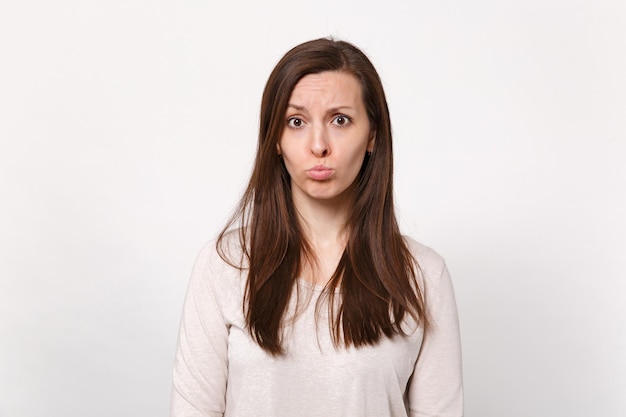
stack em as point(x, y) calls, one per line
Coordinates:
point(127, 132)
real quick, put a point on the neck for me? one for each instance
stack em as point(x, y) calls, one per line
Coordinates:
point(323, 222)
point(324, 225)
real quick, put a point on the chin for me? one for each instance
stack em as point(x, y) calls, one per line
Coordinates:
point(324, 192)
point(329, 196)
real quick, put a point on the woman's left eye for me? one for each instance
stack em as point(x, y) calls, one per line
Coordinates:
point(341, 120)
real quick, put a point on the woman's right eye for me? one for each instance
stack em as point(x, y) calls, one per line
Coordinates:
point(295, 122)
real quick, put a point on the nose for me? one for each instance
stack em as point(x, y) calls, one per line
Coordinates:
point(320, 146)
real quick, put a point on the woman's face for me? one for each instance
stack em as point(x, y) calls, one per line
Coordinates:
point(326, 135)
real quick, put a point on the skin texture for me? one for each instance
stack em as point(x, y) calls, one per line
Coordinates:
point(326, 136)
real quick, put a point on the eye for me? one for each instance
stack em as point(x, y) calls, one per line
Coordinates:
point(295, 122)
point(341, 120)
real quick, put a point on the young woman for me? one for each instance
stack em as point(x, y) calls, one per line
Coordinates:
point(311, 302)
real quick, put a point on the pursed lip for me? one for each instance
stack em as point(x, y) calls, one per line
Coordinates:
point(320, 172)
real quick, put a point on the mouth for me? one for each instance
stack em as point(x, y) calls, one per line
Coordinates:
point(320, 173)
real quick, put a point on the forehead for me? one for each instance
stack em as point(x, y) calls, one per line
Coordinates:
point(328, 87)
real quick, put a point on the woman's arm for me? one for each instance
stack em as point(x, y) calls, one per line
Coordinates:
point(436, 388)
point(201, 361)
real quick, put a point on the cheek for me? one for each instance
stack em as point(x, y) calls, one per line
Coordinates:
point(289, 163)
point(286, 148)
point(357, 157)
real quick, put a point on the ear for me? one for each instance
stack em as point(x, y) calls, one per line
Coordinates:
point(370, 144)
point(278, 151)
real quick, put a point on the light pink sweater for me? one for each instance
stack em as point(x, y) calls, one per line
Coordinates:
point(220, 371)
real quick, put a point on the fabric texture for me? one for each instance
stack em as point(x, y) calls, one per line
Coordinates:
point(220, 371)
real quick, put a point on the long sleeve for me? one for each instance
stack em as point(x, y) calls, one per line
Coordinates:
point(436, 389)
point(201, 361)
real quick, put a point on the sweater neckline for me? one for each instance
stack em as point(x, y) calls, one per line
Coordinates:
point(314, 287)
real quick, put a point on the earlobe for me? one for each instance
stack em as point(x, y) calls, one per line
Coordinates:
point(278, 152)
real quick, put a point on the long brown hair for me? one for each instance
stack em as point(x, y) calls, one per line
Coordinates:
point(376, 275)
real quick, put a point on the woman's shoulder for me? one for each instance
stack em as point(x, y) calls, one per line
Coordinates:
point(221, 256)
point(225, 247)
point(430, 262)
point(432, 273)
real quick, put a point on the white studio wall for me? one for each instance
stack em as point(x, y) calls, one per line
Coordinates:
point(127, 132)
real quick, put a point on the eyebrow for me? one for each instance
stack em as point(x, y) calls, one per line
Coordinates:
point(331, 110)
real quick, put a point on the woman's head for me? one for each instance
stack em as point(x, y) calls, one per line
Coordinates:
point(315, 57)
